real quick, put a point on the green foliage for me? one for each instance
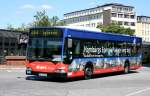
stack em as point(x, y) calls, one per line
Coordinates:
point(22, 28)
point(41, 19)
point(61, 23)
point(10, 27)
point(54, 20)
point(115, 28)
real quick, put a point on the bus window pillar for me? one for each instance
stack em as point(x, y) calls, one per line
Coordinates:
point(69, 51)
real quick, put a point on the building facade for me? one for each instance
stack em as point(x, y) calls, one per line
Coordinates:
point(143, 31)
point(12, 43)
point(143, 28)
point(104, 14)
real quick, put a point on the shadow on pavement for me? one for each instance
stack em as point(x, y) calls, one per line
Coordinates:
point(62, 80)
point(37, 78)
point(113, 74)
point(146, 65)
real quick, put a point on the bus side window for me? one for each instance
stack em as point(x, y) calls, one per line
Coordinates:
point(111, 49)
point(76, 48)
point(69, 43)
point(106, 49)
point(138, 48)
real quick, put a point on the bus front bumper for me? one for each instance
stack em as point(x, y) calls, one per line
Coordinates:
point(62, 75)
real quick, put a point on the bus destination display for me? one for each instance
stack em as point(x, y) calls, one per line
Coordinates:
point(46, 33)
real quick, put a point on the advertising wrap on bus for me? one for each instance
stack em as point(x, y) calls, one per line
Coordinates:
point(68, 52)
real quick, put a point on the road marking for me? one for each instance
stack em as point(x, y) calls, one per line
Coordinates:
point(9, 71)
point(12, 68)
point(137, 92)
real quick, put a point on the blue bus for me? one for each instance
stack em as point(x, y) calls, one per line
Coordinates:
point(72, 52)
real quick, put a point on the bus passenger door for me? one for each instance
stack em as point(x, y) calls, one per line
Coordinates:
point(68, 51)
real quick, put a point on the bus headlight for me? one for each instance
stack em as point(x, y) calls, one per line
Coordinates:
point(60, 70)
point(28, 71)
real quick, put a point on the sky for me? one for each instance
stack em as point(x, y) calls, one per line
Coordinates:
point(17, 12)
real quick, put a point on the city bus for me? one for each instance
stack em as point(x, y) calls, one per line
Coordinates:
point(70, 52)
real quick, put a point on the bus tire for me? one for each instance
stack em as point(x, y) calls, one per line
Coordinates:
point(126, 68)
point(88, 73)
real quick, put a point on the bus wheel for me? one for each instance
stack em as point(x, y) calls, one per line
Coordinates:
point(126, 68)
point(88, 73)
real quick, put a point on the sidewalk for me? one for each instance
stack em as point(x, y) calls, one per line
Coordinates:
point(11, 67)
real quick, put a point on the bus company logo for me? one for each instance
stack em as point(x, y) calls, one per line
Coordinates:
point(41, 67)
point(51, 68)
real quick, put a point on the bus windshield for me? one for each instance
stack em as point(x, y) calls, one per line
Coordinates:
point(44, 46)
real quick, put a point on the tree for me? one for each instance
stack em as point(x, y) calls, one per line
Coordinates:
point(61, 23)
point(115, 28)
point(41, 19)
point(54, 20)
point(10, 27)
point(22, 28)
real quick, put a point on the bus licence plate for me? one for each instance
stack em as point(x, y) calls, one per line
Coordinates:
point(43, 74)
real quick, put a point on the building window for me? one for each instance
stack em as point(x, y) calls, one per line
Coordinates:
point(130, 9)
point(126, 23)
point(148, 20)
point(93, 25)
point(132, 16)
point(114, 15)
point(114, 9)
point(132, 23)
point(119, 9)
point(126, 16)
point(87, 25)
point(142, 32)
point(97, 16)
point(120, 15)
point(126, 9)
point(120, 22)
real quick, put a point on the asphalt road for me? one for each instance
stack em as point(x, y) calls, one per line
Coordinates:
point(15, 83)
